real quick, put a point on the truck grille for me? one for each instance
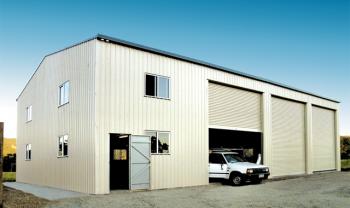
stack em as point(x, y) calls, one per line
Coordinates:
point(259, 170)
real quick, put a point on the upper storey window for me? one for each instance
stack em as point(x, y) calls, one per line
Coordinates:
point(64, 93)
point(29, 113)
point(157, 86)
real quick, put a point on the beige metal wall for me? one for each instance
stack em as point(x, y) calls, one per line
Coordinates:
point(107, 96)
point(76, 119)
point(231, 107)
point(323, 131)
point(121, 107)
point(288, 137)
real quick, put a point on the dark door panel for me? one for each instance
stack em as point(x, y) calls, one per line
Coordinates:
point(119, 161)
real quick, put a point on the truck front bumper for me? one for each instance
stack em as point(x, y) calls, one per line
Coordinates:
point(256, 176)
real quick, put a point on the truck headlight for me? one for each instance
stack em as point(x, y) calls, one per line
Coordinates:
point(250, 171)
point(267, 170)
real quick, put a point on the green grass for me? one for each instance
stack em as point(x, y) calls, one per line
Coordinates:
point(345, 164)
point(9, 176)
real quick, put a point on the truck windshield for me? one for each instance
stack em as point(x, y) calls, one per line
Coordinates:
point(233, 158)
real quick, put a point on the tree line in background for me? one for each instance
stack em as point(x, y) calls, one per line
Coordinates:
point(9, 163)
point(345, 147)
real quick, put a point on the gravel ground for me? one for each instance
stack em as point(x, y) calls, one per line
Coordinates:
point(17, 199)
point(319, 190)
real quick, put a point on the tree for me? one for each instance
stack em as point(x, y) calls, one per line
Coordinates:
point(345, 147)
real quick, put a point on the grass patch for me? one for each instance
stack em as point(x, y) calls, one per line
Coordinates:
point(9, 176)
point(345, 164)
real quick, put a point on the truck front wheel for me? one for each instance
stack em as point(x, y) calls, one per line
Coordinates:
point(236, 179)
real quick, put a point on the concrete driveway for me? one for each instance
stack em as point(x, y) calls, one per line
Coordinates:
point(319, 190)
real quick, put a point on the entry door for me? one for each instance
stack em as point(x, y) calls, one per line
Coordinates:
point(119, 161)
point(140, 161)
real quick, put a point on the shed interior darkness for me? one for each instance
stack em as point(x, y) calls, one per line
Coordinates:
point(249, 142)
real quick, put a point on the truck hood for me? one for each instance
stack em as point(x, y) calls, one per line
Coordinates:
point(243, 166)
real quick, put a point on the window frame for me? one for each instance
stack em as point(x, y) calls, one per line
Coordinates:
point(28, 157)
point(58, 145)
point(222, 158)
point(157, 133)
point(29, 109)
point(64, 92)
point(156, 86)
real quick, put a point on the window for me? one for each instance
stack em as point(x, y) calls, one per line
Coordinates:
point(28, 151)
point(157, 86)
point(232, 158)
point(29, 113)
point(64, 93)
point(151, 83)
point(163, 87)
point(160, 142)
point(153, 135)
point(63, 146)
point(216, 159)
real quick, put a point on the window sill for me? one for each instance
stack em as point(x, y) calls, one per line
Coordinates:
point(63, 104)
point(29, 121)
point(27, 159)
point(62, 156)
point(150, 96)
point(160, 154)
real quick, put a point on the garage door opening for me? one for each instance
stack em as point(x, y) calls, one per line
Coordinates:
point(248, 144)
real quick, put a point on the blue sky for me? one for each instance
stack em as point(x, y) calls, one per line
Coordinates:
point(305, 44)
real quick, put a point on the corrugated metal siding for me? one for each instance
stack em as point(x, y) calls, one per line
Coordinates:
point(323, 131)
point(121, 107)
point(107, 96)
point(288, 137)
point(75, 119)
point(233, 107)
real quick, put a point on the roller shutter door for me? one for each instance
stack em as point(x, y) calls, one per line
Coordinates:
point(288, 137)
point(233, 107)
point(323, 139)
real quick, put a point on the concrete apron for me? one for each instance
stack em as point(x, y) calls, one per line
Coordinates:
point(43, 191)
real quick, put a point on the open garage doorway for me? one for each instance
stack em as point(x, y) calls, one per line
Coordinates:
point(246, 143)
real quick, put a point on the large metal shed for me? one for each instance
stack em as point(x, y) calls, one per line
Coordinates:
point(107, 99)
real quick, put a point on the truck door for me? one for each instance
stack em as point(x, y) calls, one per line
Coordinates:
point(217, 166)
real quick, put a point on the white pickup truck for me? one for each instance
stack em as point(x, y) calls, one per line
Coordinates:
point(230, 166)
